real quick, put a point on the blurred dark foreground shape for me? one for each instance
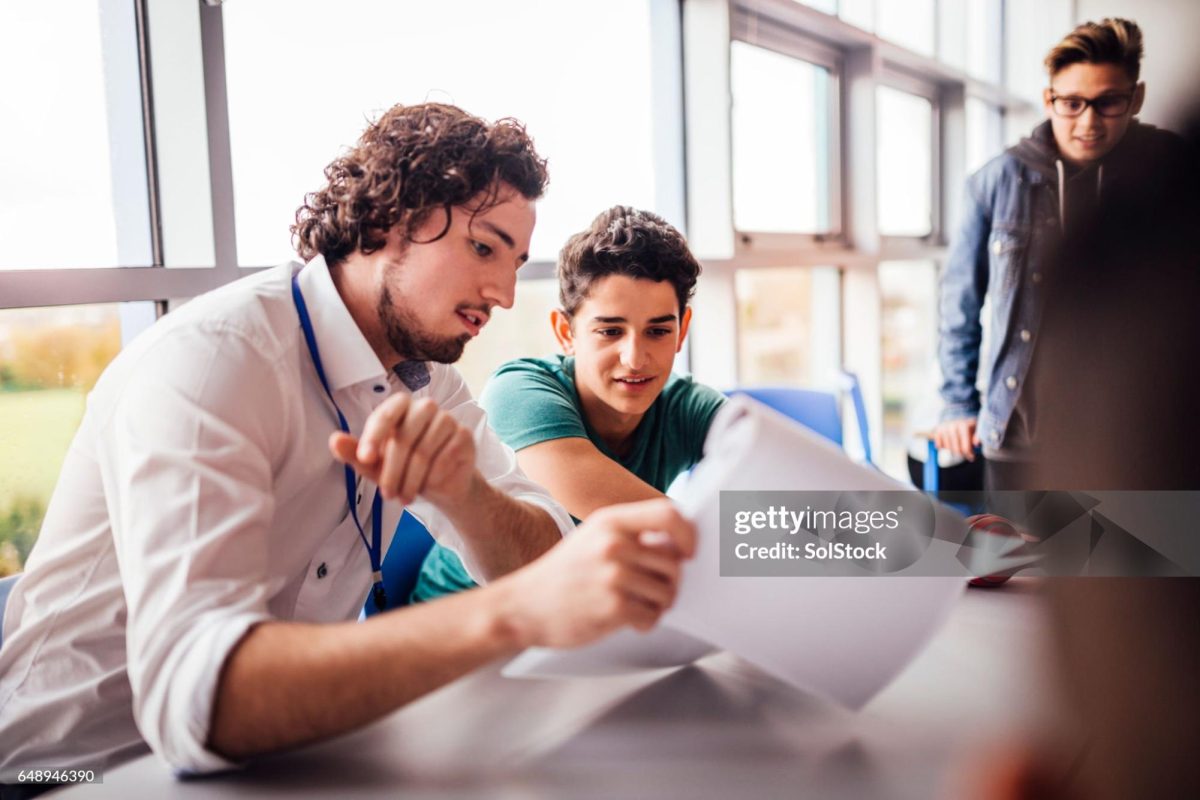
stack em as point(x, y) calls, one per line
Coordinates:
point(1117, 385)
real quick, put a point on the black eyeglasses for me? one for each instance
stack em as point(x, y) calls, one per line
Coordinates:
point(1106, 105)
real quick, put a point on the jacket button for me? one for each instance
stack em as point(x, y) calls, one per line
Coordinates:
point(1010, 382)
point(322, 571)
point(1037, 277)
point(1026, 336)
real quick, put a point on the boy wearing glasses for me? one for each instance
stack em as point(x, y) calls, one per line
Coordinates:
point(1017, 208)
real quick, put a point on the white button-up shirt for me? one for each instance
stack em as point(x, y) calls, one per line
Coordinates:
point(197, 499)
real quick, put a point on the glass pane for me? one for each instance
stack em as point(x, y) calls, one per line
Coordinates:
point(952, 29)
point(983, 133)
point(983, 32)
point(860, 13)
point(72, 151)
point(49, 360)
point(577, 74)
point(789, 326)
point(904, 163)
point(908, 24)
point(522, 331)
point(828, 6)
point(908, 291)
point(780, 125)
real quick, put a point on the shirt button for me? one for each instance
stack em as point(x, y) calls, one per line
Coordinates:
point(322, 571)
point(1010, 382)
point(380, 389)
point(1037, 277)
point(995, 436)
point(997, 246)
point(1026, 336)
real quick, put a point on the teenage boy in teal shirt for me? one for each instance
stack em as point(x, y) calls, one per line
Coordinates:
point(605, 422)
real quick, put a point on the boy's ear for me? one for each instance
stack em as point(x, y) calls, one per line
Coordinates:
point(561, 324)
point(1139, 97)
point(683, 328)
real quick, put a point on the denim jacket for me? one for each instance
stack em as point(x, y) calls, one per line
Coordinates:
point(1012, 224)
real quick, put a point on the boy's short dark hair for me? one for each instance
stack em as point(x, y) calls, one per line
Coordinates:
point(1112, 40)
point(411, 162)
point(625, 241)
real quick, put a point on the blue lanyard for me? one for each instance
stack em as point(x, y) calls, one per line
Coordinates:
point(375, 546)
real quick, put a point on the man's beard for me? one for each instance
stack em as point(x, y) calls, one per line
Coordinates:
point(409, 341)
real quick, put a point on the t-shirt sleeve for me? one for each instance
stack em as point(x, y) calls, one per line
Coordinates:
point(528, 404)
point(692, 408)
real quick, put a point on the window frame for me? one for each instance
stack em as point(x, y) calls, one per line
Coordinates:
point(812, 51)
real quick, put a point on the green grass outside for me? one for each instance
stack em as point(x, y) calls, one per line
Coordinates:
point(36, 427)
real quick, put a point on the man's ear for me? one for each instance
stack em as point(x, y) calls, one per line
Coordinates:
point(1139, 97)
point(683, 328)
point(1048, 101)
point(561, 324)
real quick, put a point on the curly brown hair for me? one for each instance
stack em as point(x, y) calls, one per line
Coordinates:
point(409, 163)
point(625, 241)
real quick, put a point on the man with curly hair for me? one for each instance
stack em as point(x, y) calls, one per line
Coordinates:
point(205, 555)
point(607, 421)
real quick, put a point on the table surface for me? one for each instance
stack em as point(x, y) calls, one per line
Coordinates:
point(720, 728)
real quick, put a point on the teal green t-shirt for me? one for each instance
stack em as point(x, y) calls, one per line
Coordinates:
point(533, 400)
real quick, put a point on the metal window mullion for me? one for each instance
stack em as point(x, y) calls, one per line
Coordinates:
point(61, 287)
point(148, 132)
point(212, 38)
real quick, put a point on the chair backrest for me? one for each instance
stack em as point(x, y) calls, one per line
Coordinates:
point(402, 563)
point(6, 587)
point(813, 409)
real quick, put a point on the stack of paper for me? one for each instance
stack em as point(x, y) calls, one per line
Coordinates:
point(842, 638)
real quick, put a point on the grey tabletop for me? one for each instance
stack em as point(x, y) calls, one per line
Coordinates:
point(720, 728)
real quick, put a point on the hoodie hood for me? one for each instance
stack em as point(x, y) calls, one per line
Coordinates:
point(1143, 143)
point(1038, 151)
point(1139, 149)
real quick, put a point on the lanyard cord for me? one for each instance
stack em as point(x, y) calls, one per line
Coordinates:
point(375, 546)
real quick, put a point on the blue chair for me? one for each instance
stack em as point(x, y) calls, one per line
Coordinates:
point(816, 410)
point(402, 563)
point(6, 587)
point(812, 409)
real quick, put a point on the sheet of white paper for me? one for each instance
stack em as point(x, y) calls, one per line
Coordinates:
point(843, 638)
point(624, 651)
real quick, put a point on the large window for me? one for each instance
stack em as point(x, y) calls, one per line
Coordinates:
point(781, 154)
point(904, 143)
point(49, 360)
point(984, 133)
point(577, 74)
point(71, 146)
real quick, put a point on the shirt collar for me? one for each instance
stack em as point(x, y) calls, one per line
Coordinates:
point(346, 354)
